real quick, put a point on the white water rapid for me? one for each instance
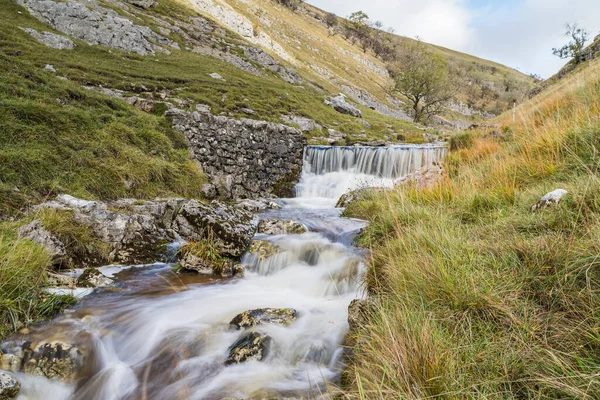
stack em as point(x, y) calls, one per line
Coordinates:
point(161, 335)
point(329, 172)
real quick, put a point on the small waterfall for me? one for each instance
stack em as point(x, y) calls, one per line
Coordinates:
point(329, 171)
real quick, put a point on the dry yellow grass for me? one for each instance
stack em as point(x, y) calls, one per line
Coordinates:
point(475, 296)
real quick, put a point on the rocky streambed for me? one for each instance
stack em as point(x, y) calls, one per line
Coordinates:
point(270, 328)
point(199, 300)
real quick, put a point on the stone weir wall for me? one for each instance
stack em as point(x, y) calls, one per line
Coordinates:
point(243, 158)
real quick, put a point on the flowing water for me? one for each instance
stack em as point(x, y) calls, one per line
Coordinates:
point(162, 335)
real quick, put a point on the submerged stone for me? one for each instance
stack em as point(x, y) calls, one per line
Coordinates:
point(281, 227)
point(251, 347)
point(259, 316)
point(9, 386)
point(263, 249)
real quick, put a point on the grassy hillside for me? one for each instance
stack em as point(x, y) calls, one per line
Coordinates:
point(482, 84)
point(476, 296)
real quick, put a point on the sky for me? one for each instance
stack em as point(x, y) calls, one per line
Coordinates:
point(516, 33)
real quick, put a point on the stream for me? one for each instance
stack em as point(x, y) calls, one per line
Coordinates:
point(165, 335)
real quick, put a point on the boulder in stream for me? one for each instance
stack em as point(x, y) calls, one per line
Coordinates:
point(281, 227)
point(52, 359)
point(262, 249)
point(230, 228)
point(92, 278)
point(204, 258)
point(253, 346)
point(259, 316)
point(9, 386)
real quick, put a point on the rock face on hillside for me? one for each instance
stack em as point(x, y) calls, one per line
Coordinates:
point(98, 25)
point(243, 158)
point(51, 39)
point(340, 105)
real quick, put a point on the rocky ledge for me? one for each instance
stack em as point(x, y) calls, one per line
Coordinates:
point(137, 232)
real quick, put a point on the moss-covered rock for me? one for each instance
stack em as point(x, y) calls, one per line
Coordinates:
point(57, 359)
point(252, 318)
point(229, 228)
point(204, 258)
point(253, 346)
point(263, 249)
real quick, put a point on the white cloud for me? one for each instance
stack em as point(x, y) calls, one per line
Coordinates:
point(518, 33)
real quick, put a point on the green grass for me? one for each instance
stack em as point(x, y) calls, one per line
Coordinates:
point(22, 275)
point(474, 296)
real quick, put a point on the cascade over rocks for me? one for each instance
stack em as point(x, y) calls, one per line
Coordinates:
point(243, 158)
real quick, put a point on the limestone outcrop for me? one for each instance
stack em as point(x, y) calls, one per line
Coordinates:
point(137, 231)
point(51, 39)
point(98, 25)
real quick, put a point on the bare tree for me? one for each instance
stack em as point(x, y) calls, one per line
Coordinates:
point(331, 21)
point(423, 78)
point(574, 49)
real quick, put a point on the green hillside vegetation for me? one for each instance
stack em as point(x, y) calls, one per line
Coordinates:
point(473, 294)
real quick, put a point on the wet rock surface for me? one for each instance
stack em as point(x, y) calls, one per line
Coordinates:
point(260, 316)
point(243, 158)
point(92, 278)
point(263, 249)
point(57, 360)
point(9, 386)
point(253, 346)
point(257, 205)
point(281, 227)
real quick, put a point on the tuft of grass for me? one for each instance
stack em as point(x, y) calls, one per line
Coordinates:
point(22, 275)
point(478, 297)
point(84, 247)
